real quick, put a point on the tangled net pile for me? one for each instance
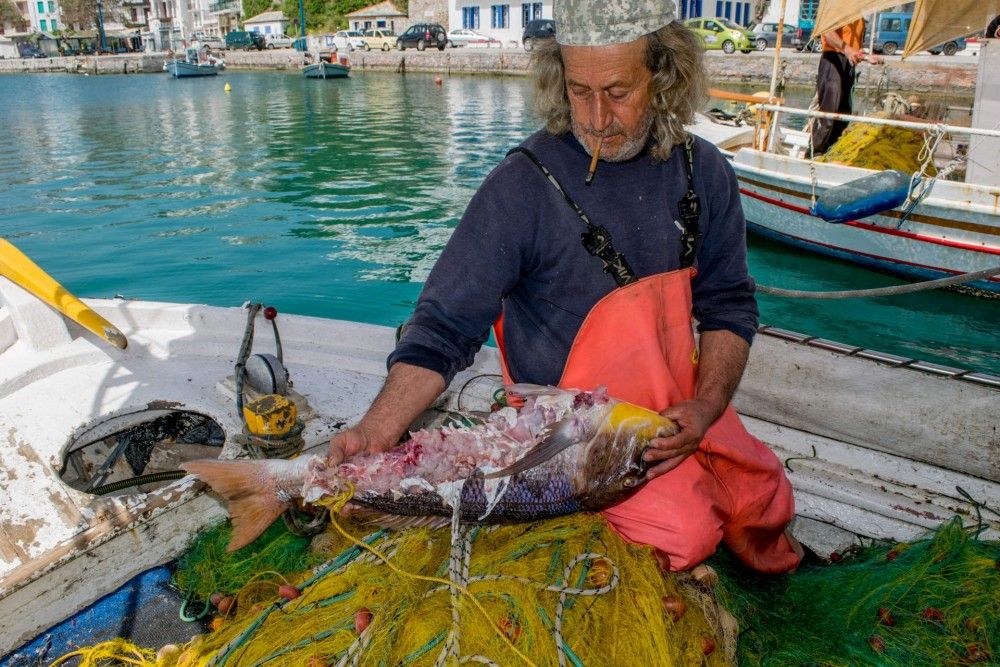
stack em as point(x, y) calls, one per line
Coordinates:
point(562, 592)
point(932, 602)
point(878, 147)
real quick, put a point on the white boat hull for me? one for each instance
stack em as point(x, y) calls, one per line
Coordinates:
point(891, 443)
point(955, 230)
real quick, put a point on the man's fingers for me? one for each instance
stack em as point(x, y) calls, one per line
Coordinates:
point(345, 445)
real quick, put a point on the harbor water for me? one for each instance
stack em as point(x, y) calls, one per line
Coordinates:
point(333, 198)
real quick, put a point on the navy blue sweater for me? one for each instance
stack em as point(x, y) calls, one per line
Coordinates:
point(518, 246)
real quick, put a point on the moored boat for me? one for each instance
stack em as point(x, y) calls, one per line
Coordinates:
point(943, 227)
point(333, 69)
point(194, 63)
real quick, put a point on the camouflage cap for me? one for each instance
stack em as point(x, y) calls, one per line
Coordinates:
point(602, 22)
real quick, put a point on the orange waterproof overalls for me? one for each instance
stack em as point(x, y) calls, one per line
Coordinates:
point(638, 341)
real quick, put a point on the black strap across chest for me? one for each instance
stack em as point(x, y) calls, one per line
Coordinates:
point(597, 239)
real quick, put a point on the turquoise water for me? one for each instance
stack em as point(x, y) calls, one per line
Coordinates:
point(332, 198)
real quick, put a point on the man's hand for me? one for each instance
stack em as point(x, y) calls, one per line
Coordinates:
point(853, 55)
point(348, 443)
point(408, 391)
point(694, 417)
point(874, 59)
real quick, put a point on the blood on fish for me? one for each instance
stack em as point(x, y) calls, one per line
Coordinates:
point(586, 454)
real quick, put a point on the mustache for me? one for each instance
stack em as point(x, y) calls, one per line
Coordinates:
point(612, 131)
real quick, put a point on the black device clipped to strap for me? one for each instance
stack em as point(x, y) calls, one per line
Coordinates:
point(689, 208)
point(597, 239)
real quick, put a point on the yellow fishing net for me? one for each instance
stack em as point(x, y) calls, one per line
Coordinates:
point(562, 592)
point(879, 147)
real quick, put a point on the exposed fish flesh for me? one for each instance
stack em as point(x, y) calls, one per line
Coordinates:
point(563, 452)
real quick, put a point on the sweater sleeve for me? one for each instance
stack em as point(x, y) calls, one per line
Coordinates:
point(723, 291)
point(462, 297)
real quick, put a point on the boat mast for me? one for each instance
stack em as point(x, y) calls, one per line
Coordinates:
point(772, 133)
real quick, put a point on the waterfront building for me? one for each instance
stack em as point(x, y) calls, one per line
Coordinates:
point(267, 23)
point(501, 21)
point(430, 11)
point(37, 16)
point(386, 15)
point(226, 15)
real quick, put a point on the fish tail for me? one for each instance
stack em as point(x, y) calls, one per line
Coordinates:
point(250, 492)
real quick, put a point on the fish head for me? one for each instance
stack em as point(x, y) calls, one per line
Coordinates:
point(613, 465)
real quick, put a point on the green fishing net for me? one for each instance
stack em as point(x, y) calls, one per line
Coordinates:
point(207, 567)
point(930, 602)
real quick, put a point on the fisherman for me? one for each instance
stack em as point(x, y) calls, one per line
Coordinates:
point(664, 238)
point(835, 81)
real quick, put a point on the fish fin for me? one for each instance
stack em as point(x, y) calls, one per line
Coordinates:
point(559, 436)
point(396, 521)
point(527, 389)
point(253, 502)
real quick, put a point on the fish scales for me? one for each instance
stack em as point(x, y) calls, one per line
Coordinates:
point(563, 452)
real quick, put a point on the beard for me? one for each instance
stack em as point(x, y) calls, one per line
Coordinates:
point(632, 144)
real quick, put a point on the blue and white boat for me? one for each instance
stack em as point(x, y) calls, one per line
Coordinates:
point(195, 62)
point(946, 228)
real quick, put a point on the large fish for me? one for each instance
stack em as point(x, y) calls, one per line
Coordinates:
point(564, 451)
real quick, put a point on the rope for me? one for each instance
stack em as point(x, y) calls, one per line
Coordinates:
point(882, 291)
point(338, 504)
point(920, 184)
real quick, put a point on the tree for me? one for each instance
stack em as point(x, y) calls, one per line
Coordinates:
point(252, 8)
point(83, 13)
point(326, 15)
point(10, 14)
point(760, 8)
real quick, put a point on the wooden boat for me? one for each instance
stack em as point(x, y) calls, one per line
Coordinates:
point(875, 445)
point(337, 69)
point(193, 64)
point(953, 228)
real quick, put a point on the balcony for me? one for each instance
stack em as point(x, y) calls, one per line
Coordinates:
point(220, 6)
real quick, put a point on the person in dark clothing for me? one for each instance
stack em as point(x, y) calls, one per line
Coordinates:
point(993, 29)
point(615, 87)
point(835, 81)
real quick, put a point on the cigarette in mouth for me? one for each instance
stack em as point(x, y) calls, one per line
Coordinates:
point(593, 163)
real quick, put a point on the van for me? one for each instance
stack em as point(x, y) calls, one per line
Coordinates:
point(891, 29)
point(241, 39)
point(535, 30)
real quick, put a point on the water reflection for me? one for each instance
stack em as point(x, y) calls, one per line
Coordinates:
point(329, 198)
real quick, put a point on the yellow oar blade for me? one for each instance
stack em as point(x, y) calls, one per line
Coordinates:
point(16, 266)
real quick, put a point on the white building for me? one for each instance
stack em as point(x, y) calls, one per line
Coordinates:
point(268, 23)
point(500, 20)
point(42, 15)
point(742, 12)
point(382, 15)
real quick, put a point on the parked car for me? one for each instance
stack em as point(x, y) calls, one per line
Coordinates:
point(721, 33)
point(211, 41)
point(891, 30)
point(422, 35)
point(349, 40)
point(465, 36)
point(378, 38)
point(241, 39)
point(279, 41)
point(766, 35)
point(30, 51)
point(535, 30)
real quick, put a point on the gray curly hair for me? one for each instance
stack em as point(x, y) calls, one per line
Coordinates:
point(679, 85)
